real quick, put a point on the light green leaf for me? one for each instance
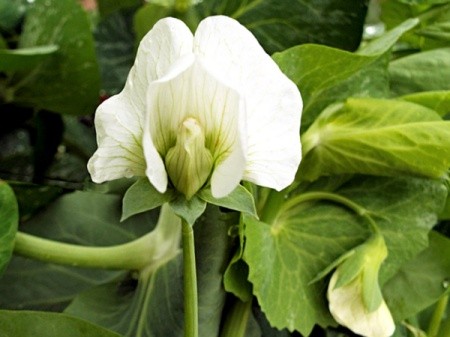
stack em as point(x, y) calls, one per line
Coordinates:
point(425, 71)
point(388, 39)
point(45, 324)
point(282, 24)
point(142, 197)
point(239, 200)
point(67, 82)
point(24, 58)
point(377, 137)
point(84, 218)
point(285, 256)
point(189, 210)
point(420, 282)
point(326, 75)
point(9, 220)
point(438, 101)
point(152, 305)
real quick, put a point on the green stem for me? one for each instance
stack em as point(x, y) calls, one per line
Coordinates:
point(438, 314)
point(311, 196)
point(272, 206)
point(190, 282)
point(125, 256)
point(160, 244)
point(237, 320)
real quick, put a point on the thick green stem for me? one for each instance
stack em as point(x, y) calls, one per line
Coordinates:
point(161, 243)
point(126, 256)
point(190, 282)
point(438, 314)
point(237, 320)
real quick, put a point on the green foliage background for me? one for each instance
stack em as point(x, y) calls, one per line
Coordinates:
point(374, 130)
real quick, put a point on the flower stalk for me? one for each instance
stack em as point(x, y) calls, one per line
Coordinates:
point(160, 244)
point(190, 282)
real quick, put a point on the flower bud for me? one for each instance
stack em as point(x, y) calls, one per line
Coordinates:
point(189, 163)
point(354, 294)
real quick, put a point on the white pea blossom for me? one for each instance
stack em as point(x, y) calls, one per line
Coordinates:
point(210, 108)
point(354, 295)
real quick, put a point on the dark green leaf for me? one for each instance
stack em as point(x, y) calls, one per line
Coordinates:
point(285, 256)
point(239, 200)
point(25, 58)
point(282, 24)
point(142, 197)
point(425, 71)
point(377, 137)
point(115, 44)
point(44, 324)
point(107, 7)
point(84, 218)
point(155, 306)
point(9, 220)
point(68, 81)
point(420, 282)
point(32, 197)
point(11, 11)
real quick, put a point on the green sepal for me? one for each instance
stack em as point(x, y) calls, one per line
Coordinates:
point(240, 200)
point(371, 292)
point(235, 277)
point(188, 210)
point(142, 197)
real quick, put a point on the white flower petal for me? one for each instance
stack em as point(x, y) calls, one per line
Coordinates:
point(119, 152)
point(347, 307)
point(191, 91)
point(273, 102)
point(119, 120)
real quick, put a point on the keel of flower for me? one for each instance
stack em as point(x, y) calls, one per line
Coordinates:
point(189, 162)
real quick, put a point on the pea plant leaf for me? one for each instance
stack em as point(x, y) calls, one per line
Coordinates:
point(152, 305)
point(115, 47)
point(40, 324)
point(280, 25)
point(68, 81)
point(9, 220)
point(24, 58)
point(377, 137)
point(412, 289)
point(283, 257)
point(29, 284)
point(326, 75)
point(419, 72)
